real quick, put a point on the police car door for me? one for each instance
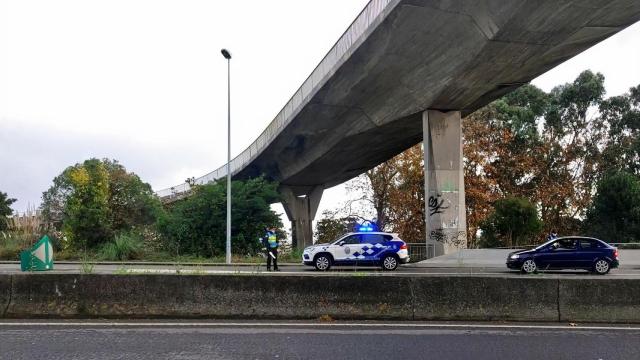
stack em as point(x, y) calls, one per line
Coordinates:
point(343, 250)
point(372, 245)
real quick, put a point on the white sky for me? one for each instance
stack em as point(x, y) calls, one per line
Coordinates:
point(143, 81)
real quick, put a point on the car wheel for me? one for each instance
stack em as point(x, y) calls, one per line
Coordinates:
point(322, 262)
point(529, 266)
point(601, 267)
point(389, 263)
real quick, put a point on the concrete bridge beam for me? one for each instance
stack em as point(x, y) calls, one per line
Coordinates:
point(445, 208)
point(301, 210)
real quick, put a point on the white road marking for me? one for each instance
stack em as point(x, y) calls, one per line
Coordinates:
point(297, 324)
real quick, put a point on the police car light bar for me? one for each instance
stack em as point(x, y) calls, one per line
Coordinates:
point(365, 228)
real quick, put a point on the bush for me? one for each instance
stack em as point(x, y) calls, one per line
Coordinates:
point(125, 246)
point(12, 243)
point(615, 213)
point(92, 201)
point(196, 225)
point(514, 222)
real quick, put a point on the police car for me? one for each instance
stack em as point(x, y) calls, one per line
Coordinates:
point(359, 248)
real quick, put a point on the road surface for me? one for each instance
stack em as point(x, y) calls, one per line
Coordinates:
point(300, 270)
point(297, 340)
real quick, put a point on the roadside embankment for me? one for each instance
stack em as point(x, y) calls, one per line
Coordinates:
point(307, 297)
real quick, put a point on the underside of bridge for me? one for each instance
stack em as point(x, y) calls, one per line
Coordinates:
point(366, 101)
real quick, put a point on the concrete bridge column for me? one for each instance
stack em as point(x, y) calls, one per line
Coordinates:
point(445, 211)
point(301, 210)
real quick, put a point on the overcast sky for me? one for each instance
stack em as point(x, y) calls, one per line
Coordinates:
point(143, 81)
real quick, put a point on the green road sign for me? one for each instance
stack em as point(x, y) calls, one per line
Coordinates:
point(39, 257)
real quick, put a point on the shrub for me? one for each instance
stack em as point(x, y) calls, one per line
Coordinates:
point(125, 246)
point(514, 222)
point(196, 225)
point(11, 243)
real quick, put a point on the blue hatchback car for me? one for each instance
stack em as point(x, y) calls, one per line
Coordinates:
point(571, 252)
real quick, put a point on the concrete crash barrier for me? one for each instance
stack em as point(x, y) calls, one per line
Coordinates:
point(309, 297)
point(485, 298)
point(5, 293)
point(599, 300)
point(209, 296)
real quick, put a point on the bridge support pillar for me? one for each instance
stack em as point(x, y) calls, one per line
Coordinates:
point(445, 210)
point(301, 210)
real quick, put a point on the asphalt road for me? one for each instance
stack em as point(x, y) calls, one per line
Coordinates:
point(314, 341)
point(502, 271)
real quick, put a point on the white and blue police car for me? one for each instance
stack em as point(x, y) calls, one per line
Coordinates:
point(365, 248)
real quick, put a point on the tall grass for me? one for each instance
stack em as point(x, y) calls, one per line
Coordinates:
point(125, 246)
point(11, 244)
point(30, 222)
point(23, 231)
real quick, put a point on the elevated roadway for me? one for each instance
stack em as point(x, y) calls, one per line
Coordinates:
point(366, 101)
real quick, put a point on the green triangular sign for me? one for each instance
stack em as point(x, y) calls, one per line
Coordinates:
point(39, 257)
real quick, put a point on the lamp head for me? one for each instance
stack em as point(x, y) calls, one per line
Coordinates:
point(226, 54)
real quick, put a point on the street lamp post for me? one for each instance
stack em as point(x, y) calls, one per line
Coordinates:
point(227, 55)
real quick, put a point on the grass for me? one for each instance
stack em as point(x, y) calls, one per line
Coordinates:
point(12, 243)
point(123, 247)
point(86, 266)
point(121, 271)
point(127, 247)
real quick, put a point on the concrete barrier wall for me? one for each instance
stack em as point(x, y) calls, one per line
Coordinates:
point(599, 300)
point(485, 298)
point(5, 293)
point(308, 297)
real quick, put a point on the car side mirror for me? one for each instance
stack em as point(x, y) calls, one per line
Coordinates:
point(341, 243)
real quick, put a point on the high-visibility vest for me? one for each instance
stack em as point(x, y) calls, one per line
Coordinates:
point(272, 240)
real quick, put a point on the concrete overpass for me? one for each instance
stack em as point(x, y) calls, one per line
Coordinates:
point(408, 70)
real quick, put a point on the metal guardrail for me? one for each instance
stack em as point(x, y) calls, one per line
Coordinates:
point(417, 251)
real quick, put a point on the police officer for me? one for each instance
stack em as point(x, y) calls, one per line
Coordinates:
point(270, 243)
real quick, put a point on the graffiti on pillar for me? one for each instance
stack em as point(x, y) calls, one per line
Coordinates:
point(455, 238)
point(436, 205)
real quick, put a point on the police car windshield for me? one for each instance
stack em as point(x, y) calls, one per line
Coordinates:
point(340, 238)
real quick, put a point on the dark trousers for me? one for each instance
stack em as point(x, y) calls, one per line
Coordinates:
point(274, 251)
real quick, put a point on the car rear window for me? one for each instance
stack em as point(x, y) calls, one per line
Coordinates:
point(567, 244)
point(589, 244)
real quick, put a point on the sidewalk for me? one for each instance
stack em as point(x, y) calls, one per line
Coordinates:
point(159, 263)
point(490, 258)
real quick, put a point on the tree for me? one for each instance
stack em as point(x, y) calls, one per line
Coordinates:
point(92, 201)
point(570, 159)
point(615, 213)
point(550, 148)
point(373, 191)
point(622, 113)
point(197, 224)
point(5, 209)
point(514, 222)
point(406, 196)
point(501, 147)
point(330, 227)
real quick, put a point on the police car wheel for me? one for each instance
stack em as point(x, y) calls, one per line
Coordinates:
point(322, 263)
point(389, 262)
